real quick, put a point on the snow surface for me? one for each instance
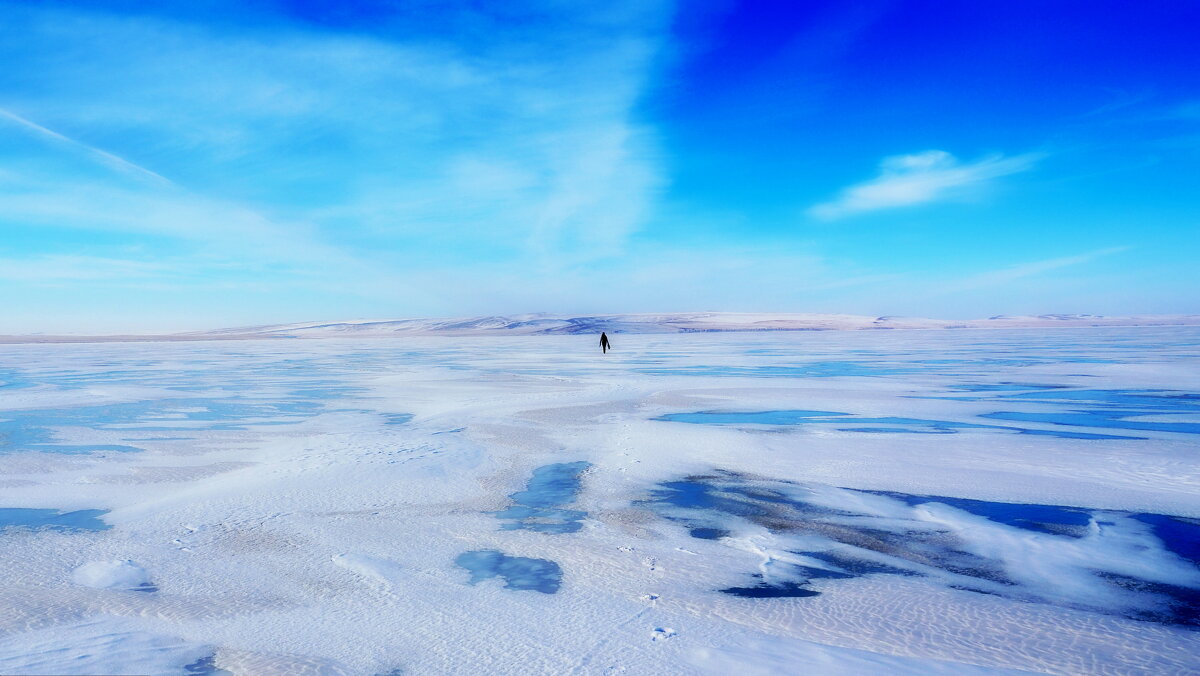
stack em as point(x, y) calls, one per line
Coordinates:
point(112, 575)
point(522, 505)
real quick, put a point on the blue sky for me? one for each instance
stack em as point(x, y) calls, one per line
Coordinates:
point(234, 163)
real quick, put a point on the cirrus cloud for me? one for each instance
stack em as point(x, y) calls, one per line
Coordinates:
point(929, 176)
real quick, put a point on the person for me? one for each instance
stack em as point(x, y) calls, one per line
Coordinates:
point(604, 345)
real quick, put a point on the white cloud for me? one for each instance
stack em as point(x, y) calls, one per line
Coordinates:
point(208, 226)
point(315, 171)
point(344, 153)
point(930, 176)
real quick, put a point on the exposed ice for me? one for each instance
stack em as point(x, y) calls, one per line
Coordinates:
point(24, 517)
point(518, 572)
point(1070, 556)
point(540, 506)
point(918, 426)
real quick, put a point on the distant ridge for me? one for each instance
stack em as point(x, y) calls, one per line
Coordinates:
point(684, 322)
point(679, 322)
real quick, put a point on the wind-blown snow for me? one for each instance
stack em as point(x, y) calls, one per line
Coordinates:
point(872, 502)
point(99, 647)
point(112, 575)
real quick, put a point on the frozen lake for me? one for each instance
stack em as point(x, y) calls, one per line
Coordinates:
point(804, 502)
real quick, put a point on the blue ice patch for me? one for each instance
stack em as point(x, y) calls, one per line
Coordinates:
point(32, 430)
point(828, 369)
point(540, 506)
point(1100, 418)
point(879, 425)
point(518, 572)
point(869, 537)
point(52, 519)
point(1156, 400)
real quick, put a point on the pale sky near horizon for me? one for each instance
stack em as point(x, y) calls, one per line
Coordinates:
point(217, 163)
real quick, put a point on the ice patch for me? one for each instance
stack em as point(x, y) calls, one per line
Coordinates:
point(1137, 565)
point(1156, 400)
point(52, 519)
point(539, 506)
point(777, 590)
point(35, 430)
point(910, 425)
point(518, 572)
point(830, 369)
point(1110, 419)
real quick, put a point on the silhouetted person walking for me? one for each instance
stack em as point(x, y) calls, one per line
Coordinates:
point(604, 345)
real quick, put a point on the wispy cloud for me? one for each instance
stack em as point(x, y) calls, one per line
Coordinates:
point(930, 176)
point(524, 140)
point(1022, 270)
point(1119, 100)
point(302, 155)
point(187, 223)
point(104, 157)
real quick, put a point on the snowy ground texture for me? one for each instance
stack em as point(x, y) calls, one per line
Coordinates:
point(814, 503)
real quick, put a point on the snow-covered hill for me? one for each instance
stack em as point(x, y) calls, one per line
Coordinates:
point(680, 322)
point(545, 324)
